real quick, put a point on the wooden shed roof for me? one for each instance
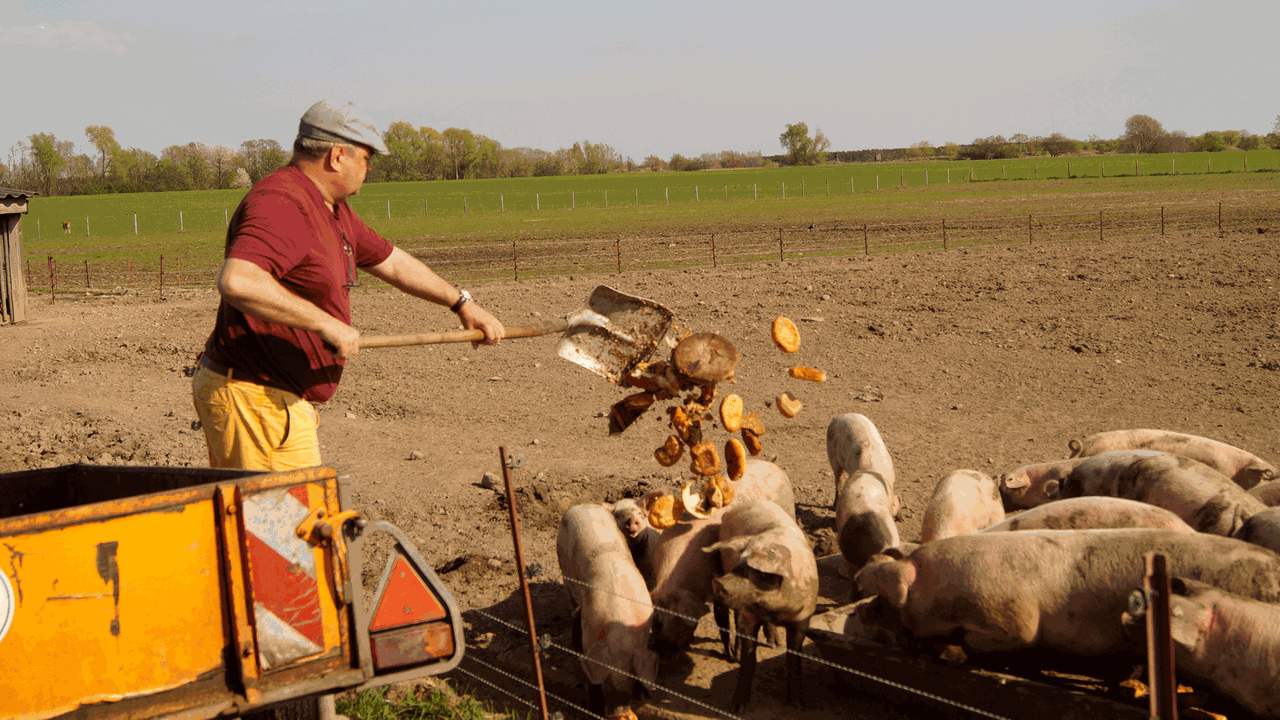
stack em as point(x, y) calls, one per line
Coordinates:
point(12, 194)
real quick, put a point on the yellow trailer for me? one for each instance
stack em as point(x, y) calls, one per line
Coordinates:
point(191, 593)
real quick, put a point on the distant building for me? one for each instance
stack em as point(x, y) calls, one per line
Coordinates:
point(13, 281)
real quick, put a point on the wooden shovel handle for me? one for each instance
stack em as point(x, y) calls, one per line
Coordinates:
point(456, 336)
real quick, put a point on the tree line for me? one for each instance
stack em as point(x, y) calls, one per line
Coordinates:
point(54, 167)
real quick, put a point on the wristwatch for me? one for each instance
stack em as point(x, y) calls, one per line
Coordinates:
point(463, 299)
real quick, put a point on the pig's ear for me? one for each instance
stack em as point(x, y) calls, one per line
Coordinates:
point(647, 499)
point(774, 558)
point(1015, 481)
point(735, 544)
point(898, 579)
point(1053, 489)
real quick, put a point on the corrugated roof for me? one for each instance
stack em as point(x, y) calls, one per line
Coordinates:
point(12, 194)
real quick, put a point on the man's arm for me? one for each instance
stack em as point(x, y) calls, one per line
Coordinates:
point(254, 291)
point(410, 275)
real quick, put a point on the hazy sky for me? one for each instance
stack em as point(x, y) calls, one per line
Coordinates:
point(648, 78)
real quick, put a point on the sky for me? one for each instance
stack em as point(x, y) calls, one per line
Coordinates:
point(646, 78)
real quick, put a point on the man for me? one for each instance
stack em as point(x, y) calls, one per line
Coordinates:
point(283, 328)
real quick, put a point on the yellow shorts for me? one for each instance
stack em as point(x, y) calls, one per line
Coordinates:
point(253, 427)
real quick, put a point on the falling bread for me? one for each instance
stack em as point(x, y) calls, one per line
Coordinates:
point(788, 405)
point(785, 334)
point(801, 372)
point(731, 413)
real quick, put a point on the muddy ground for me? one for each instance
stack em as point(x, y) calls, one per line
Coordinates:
point(988, 358)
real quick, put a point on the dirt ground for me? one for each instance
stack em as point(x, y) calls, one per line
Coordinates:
point(987, 359)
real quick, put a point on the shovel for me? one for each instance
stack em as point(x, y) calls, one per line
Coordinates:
point(609, 335)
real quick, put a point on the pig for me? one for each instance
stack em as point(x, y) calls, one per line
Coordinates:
point(683, 572)
point(1268, 493)
point(612, 612)
point(1092, 513)
point(642, 539)
point(1245, 468)
point(1231, 641)
point(1263, 528)
point(865, 502)
point(1062, 590)
point(1204, 498)
point(771, 578)
point(1032, 485)
point(963, 502)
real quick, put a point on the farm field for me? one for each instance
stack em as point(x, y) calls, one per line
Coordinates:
point(981, 356)
point(441, 208)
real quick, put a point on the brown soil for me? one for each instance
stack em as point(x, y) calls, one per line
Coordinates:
point(988, 359)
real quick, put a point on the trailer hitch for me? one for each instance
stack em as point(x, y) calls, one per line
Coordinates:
point(318, 528)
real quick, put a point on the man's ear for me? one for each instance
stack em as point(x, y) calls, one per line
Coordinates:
point(333, 158)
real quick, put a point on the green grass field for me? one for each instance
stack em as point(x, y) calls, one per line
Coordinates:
point(190, 225)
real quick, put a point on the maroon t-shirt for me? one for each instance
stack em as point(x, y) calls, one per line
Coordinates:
point(284, 227)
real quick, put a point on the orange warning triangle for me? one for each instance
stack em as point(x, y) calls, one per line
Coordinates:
point(406, 600)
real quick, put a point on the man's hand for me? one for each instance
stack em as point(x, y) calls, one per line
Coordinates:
point(474, 316)
point(341, 339)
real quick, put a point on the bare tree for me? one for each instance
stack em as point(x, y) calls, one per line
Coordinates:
point(1144, 133)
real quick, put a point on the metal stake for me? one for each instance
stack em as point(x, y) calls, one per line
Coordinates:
point(1160, 668)
point(524, 581)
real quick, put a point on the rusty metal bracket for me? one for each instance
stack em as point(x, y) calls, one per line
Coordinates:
point(318, 528)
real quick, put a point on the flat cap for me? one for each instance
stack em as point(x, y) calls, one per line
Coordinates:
point(340, 123)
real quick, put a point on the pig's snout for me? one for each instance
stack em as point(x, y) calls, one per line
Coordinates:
point(634, 526)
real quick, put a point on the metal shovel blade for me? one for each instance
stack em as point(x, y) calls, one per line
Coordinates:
point(614, 332)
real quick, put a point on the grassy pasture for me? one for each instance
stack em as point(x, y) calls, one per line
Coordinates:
point(191, 225)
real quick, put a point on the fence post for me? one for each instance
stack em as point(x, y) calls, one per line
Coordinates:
point(573, 199)
point(606, 198)
point(515, 264)
point(713, 250)
point(755, 191)
point(1219, 218)
point(464, 204)
point(926, 177)
point(51, 296)
point(388, 209)
point(86, 226)
point(1029, 240)
point(502, 201)
point(1099, 225)
point(181, 226)
point(37, 232)
point(784, 189)
point(1068, 169)
point(1162, 220)
point(617, 250)
point(944, 233)
point(877, 181)
point(802, 187)
point(226, 222)
point(697, 197)
point(524, 579)
point(128, 272)
point(902, 179)
point(726, 193)
point(537, 201)
point(851, 189)
point(637, 196)
point(828, 181)
point(866, 249)
point(86, 275)
point(135, 223)
point(779, 244)
point(948, 176)
point(426, 209)
point(667, 193)
point(161, 276)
